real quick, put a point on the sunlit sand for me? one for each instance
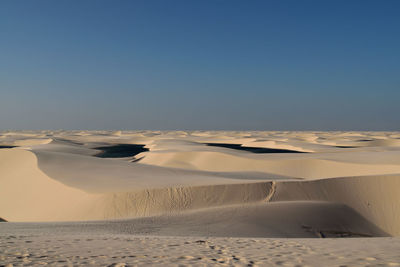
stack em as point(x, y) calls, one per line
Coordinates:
point(200, 198)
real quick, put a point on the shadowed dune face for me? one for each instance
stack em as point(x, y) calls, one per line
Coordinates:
point(171, 200)
point(258, 184)
point(376, 198)
point(261, 219)
point(277, 219)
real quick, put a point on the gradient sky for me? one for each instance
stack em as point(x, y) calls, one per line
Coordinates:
point(199, 65)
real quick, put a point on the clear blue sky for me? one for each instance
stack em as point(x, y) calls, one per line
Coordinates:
point(231, 65)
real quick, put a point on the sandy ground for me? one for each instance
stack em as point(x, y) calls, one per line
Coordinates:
point(131, 250)
point(181, 201)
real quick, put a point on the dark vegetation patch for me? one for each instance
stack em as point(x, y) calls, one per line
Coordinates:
point(365, 140)
point(120, 150)
point(7, 146)
point(346, 146)
point(259, 150)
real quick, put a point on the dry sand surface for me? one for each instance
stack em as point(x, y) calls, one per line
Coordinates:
point(200, 198)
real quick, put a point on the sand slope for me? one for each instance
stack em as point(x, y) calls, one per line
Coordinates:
point(27, 194)
point(376, 198)
point(346, 185)
point(278, 219)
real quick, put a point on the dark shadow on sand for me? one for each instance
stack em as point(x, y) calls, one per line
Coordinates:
point(7, 147)
point(258, 150)
point(120, 150)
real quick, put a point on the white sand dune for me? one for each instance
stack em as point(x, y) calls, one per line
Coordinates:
point(276, 219)
point(27, 194)
point(347, 185)
point(376, 198)
point(174, 200)
point(36, 197)
point(99, 175)
point(290, 166)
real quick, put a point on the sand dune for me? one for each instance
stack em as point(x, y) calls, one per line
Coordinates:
point(45, 199)
point(173, 200)
point(61, 179)
point(346, 185)
point(278, 219)
point(27, 194)
point(291, 219)
point(93, 174)
point(376, 198)
point(291, 166)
